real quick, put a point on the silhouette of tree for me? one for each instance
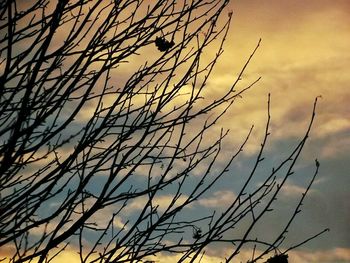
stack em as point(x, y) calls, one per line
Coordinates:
point(102, 134)
point(278, 259)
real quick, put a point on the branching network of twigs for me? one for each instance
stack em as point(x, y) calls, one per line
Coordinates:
point(102, 113)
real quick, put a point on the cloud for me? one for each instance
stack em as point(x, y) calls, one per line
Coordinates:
point(330, 255)
point(335, 146)
point(218, 199)
point(162, 201)
point(296, 256)
point(293, 190)
point(68, 255)
point(299, 59)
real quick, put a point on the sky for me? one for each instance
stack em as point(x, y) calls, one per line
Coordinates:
point(304, 54)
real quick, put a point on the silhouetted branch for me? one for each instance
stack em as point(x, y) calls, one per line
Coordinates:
point(106, 133)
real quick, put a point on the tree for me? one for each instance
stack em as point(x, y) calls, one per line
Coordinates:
point(104, 111)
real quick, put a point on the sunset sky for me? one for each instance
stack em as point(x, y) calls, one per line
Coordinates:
point(304, 54)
